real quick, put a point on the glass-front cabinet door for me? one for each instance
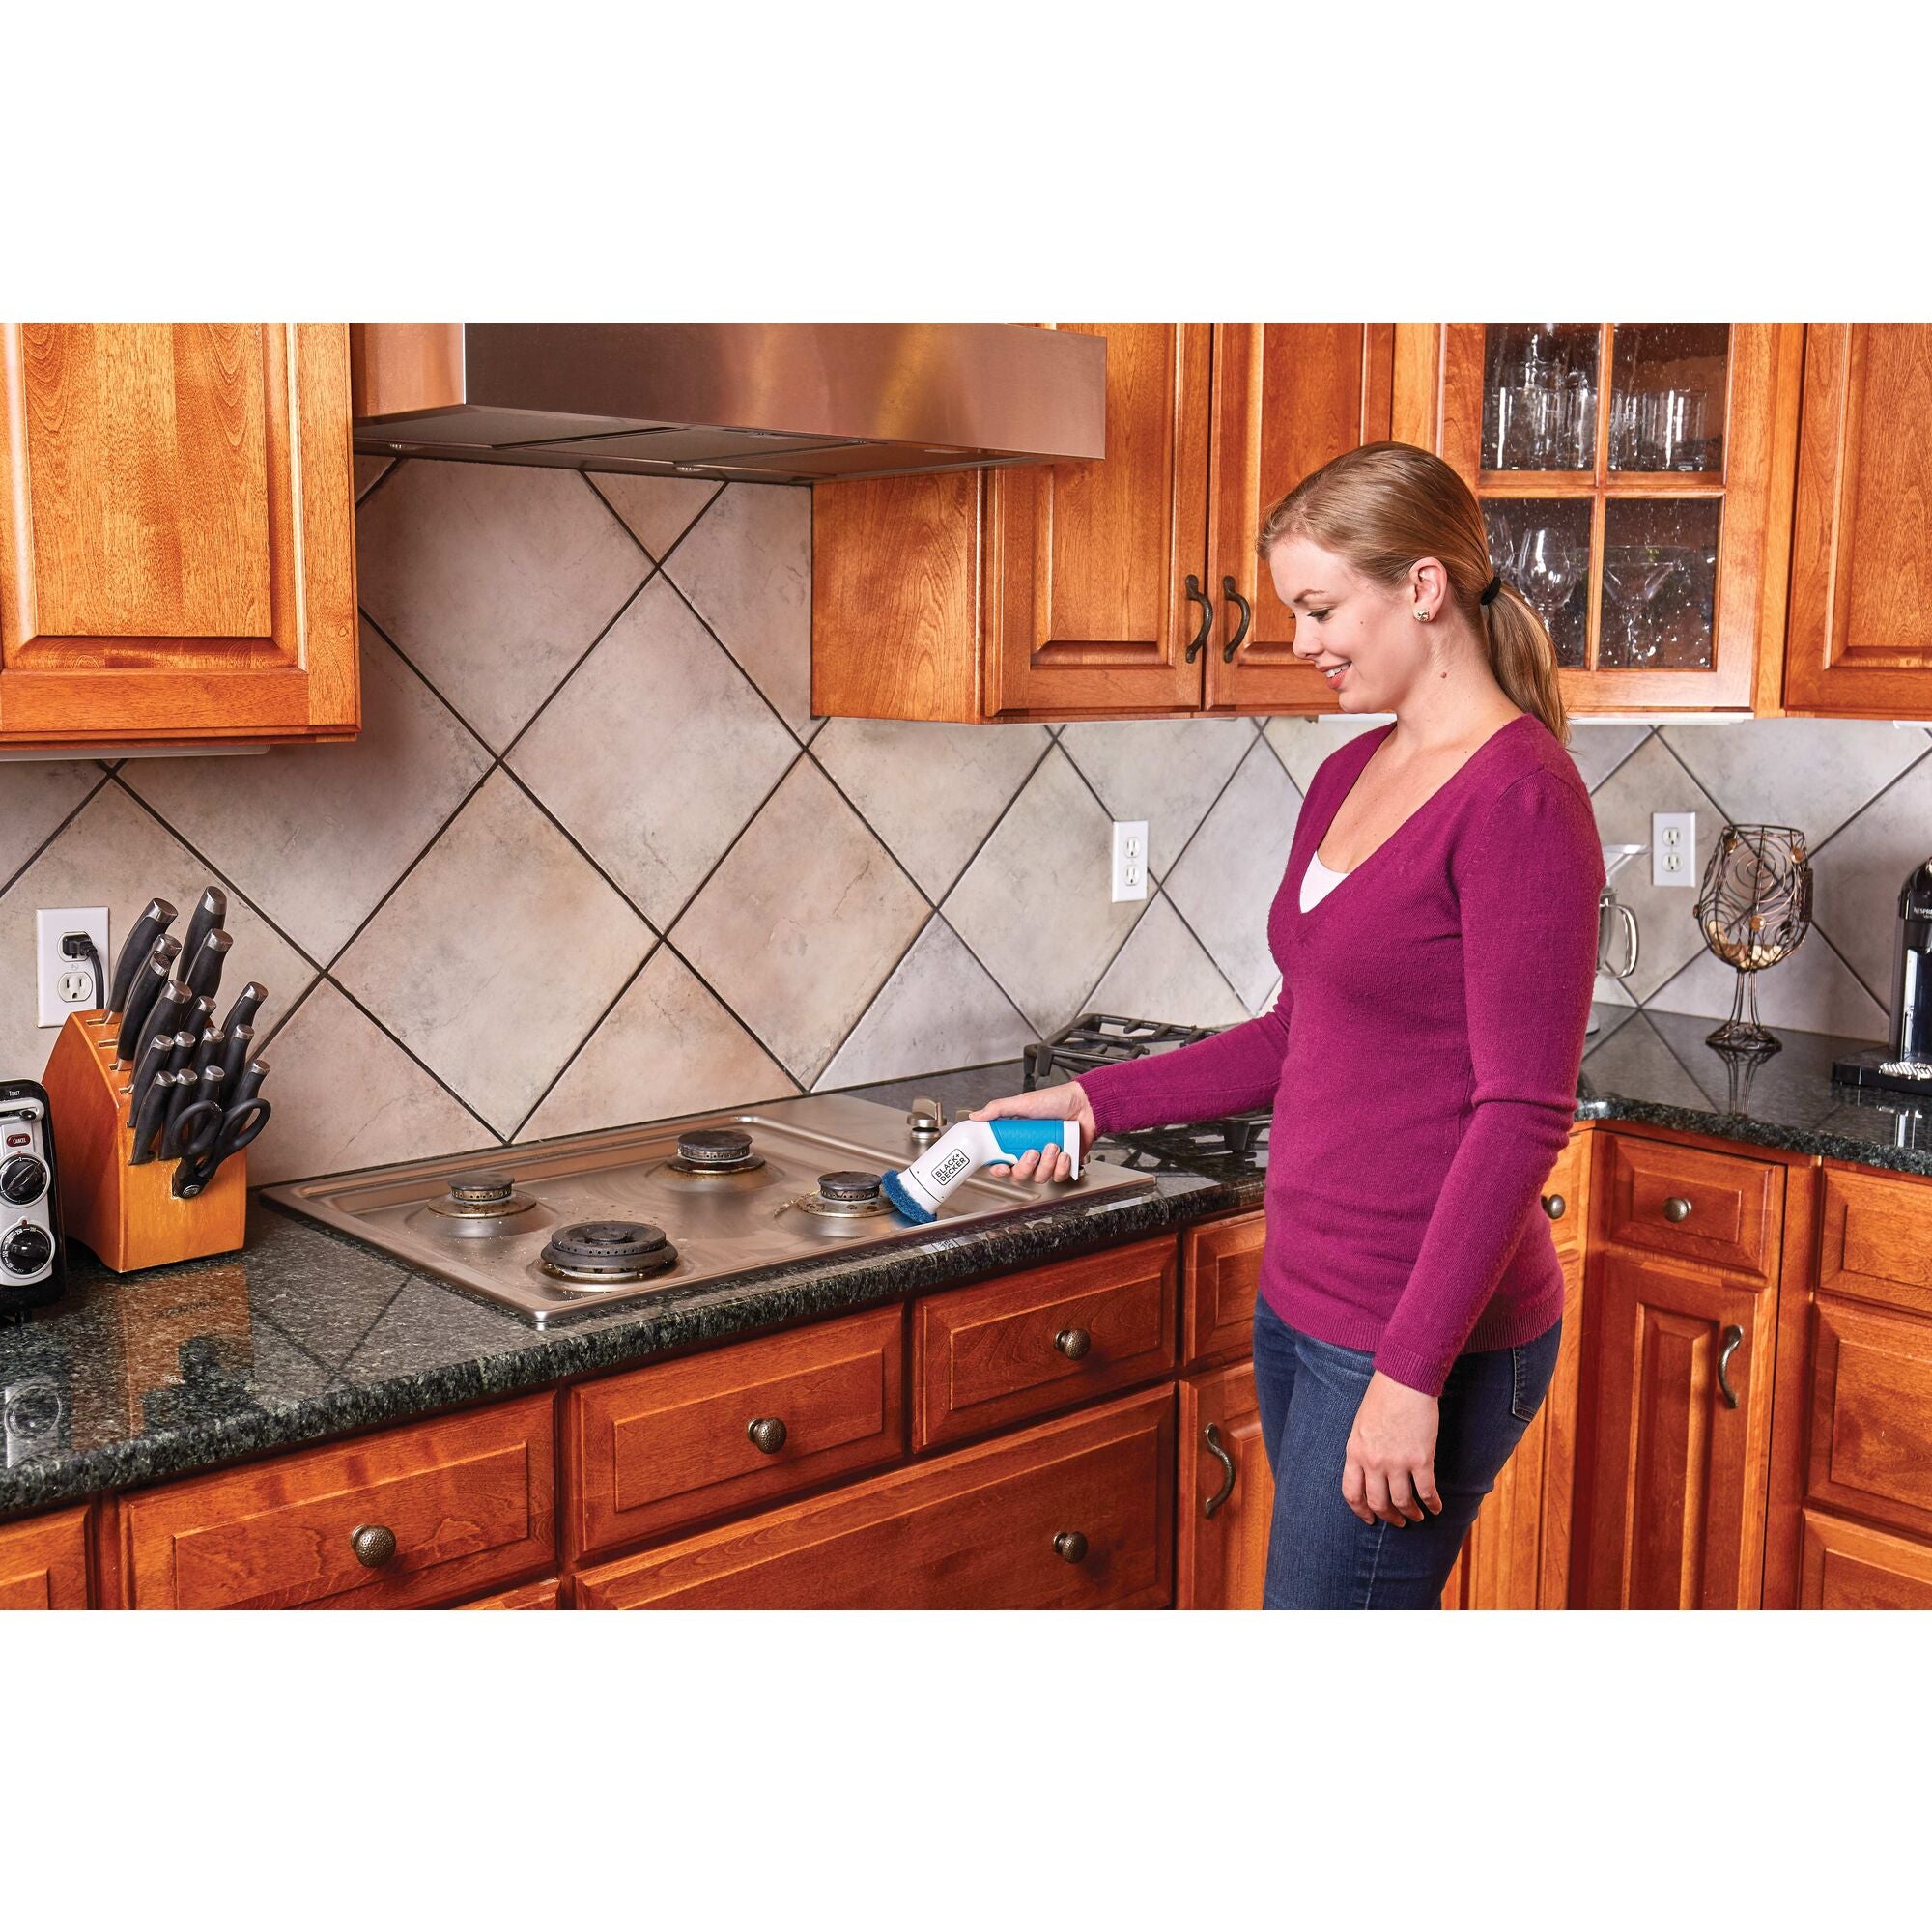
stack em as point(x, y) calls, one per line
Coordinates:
point(1626, 471)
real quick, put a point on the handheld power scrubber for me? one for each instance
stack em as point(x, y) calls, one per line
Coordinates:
point(917, 1191)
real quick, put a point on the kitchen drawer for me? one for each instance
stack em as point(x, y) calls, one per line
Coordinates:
point(1734, 1205)
point(469, 1499)
point(529, 1597)
point(43, 1563)
point(671, 1445)
point(1875, 1238)
point(1871, 1414)
point(1847, 1567)
point(991, 1528)
point(1221, 1275)
point(1565, 1194)
point(1029, 1344)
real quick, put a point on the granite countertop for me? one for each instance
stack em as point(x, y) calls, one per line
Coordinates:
point(307, 1334)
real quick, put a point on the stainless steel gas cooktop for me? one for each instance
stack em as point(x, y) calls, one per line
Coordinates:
point(565, 1229)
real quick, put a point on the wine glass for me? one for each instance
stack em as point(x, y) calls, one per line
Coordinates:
point(1548, 567)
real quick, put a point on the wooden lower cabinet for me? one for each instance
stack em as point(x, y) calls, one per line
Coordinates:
point(1071, 1515)
point(529, 1597)
point(1677, 1497)
point(43, 1563)
point(1847, 1566)
point(1224, 1500)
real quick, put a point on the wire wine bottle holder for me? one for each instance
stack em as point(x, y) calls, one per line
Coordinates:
point(1754, 909)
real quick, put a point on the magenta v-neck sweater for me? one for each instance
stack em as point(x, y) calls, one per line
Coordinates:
point(1421, 1061)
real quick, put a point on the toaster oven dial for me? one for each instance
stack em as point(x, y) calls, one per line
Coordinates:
point(22, 1179)
point(26, 1250)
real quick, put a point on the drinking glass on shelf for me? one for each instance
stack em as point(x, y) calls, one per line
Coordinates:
point(1635, 579)
point(1548, 567)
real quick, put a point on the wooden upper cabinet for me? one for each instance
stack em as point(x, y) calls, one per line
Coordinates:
point(1858, 644)
point(1636, 478)
point(1287, 398)
point(177, 545)
point(1108, 588)
point(1090, 562)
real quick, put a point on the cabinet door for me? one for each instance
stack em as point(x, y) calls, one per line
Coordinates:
point(1849, 1567)
point(1225, 1495)
point(1287, 398)
point(1858, 644)
point(1089, 611)
point(1635, 477)
point(177, 554)
point(1677, 1502)
point(43, 1563)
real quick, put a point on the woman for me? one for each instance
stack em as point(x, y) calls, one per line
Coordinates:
point(1421, 1061)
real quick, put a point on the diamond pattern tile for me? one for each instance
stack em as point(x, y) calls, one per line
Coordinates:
point(496, 956)
point(666, 1048)
point(657, 510)
point(1162, 973)
point(1227, 877)
point(932, 792)
point(1301, 744)
point(1052, 853)
point(656, 753)
point(347, 1095)
point(1166, 771)
point(940, 1010)
point(1650, 780)
point(493, 579)
point(1856, 876)
point(317, 834)
point(35, 796)
point(1813, 773)
point(116, 854)
point(802, 922)
point(747, 569)
point(1598, 750)
point(1813, 988)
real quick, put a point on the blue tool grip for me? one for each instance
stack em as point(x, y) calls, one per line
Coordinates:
point(1018, 1137)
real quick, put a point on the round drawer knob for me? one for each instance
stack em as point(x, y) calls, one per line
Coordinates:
point(1677, 1208)
point(1070, 1545)
point(1074, 1343)
point(1555, 1206)
point(768, 1434)
point(374, 1544)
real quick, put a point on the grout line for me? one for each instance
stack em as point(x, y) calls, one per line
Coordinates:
point(402, 878)
point(1649, 732)
point(752, 1033)
point(703, 510)
point(736, 664)
point(576, 1053)
point(691, 899)
point(93, 791)
point(410, 664)
point(583, 657)
point(873, 998)
point(395, 463)
point(403, 1046)
point(570, 839)
point(1871, 801)
point(333, 1374)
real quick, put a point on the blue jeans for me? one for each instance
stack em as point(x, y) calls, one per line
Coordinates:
point(1322, 1555)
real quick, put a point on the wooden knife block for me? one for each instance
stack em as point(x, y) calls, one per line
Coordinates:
point(128, 1215)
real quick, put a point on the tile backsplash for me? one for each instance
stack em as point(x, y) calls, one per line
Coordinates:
point(592, 861)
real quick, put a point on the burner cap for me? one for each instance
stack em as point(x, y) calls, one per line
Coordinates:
point(608, 1251)
point(849, 1183)
point(714, 1147)
point(480, 1184)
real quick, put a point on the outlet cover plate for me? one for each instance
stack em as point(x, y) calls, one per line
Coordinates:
point(1673, 848)
point(1130, 843)
point(50, 963)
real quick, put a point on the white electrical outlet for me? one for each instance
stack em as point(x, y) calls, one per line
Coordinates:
point(68, 985)
point(1673, 848)
point(1129, 858)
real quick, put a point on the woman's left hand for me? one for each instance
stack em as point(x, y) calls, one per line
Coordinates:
point(1389, 1470)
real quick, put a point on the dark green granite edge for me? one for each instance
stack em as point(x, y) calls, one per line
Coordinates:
point(1746, 1131)
point(625, 1338)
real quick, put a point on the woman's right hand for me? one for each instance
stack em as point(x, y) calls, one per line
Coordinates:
point(1065, 1102)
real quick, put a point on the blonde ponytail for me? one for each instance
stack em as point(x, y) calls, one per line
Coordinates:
point(1382, 506)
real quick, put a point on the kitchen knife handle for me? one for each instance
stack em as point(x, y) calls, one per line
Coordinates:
point(149, 1115)
point(135, 948)
point(248, 1003)
point(149, 984)
point(190, 1093)
point(209, 910)
point(210, 1050)
point(204, 973)
point(248, 1085)
point(234, 1054)
point(153, 1060)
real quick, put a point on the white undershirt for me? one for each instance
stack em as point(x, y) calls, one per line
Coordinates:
point(1317, 882)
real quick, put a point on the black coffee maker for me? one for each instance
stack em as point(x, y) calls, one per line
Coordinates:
point(1904, 1064)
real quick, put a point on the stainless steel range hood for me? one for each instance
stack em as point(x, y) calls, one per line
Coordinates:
point(772, 402)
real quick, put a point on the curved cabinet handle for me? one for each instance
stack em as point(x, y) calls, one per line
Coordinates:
point(1212, 1435)
point(1733, 1335)
point(1196, 595)
point(1247, 611)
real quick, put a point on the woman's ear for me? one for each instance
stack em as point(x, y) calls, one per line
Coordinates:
point(1428, 585)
